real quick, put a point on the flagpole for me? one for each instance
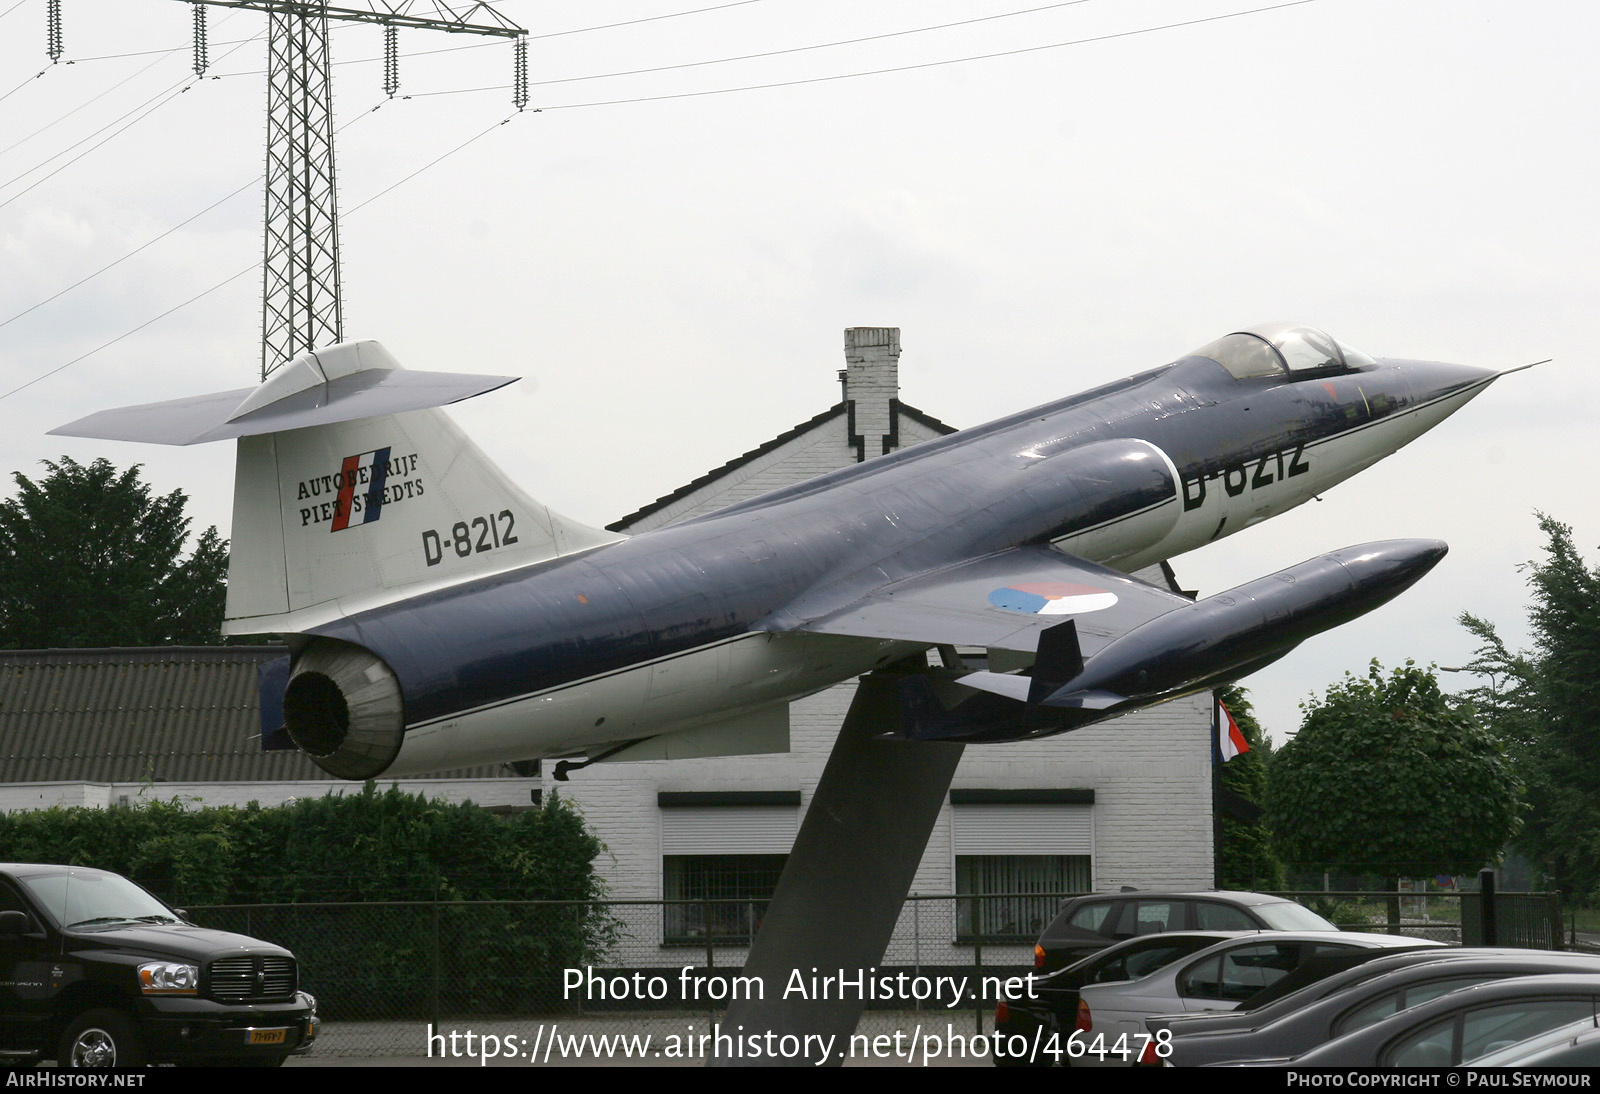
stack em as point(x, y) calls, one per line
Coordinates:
point(1216, 786)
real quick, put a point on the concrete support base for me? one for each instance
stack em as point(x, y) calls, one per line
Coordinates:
point(852, 865)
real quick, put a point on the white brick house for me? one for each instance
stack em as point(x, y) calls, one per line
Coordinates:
point(1123, 803)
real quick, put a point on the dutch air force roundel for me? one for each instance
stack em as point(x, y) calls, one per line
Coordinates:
point(1052, 598)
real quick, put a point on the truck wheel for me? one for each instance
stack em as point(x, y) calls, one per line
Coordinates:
point(101, 1038)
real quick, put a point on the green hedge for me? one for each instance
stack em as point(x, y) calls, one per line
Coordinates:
point(364, 848)
point(357, 847)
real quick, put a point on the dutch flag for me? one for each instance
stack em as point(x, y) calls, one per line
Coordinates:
point(1230, 738)
point(370, 506)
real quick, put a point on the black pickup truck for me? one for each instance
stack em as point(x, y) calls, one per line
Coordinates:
point(96, 972)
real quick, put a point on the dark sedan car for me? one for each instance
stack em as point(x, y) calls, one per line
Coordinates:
point(1315, 980)
point(1031, 1029)
point(1359, 998)
point(1461, 1027)
point(1575, 1045)
point(1087, 924)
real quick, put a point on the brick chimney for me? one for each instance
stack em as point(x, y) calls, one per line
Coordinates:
point(872, 388)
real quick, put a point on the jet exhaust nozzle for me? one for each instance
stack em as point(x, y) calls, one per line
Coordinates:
point(343, 708)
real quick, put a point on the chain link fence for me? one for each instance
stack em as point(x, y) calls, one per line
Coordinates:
point(387, 975)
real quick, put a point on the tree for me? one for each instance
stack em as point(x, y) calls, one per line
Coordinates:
point(1388, 775)
point(89, 558)
point(1245, 859)
point(1545, 705)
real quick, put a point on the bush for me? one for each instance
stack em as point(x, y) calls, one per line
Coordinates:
point(366, 956)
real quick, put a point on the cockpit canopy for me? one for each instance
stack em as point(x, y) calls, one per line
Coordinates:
point(1279, 349)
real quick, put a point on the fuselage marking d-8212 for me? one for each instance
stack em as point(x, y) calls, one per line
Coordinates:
point(460, 622)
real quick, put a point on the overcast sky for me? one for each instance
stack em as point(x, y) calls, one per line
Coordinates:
point(672, 275)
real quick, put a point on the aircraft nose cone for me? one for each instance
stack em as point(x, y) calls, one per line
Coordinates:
point(1430, 380)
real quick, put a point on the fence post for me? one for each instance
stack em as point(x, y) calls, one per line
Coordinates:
point(434, 980)
point(977, 962)
point(711, 958)
point(1486, 902)
point(916, 940)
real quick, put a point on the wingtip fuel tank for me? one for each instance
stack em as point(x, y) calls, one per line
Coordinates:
point(1201, 645)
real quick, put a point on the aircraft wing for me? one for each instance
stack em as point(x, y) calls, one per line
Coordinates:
point(1003, 601)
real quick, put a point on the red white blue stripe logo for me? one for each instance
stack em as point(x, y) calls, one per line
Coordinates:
point(361, 480)
point(1052, 598)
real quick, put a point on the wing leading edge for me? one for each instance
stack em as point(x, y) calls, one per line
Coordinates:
point(1004, 601)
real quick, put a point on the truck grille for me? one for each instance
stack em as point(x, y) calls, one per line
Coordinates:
point(242, 979)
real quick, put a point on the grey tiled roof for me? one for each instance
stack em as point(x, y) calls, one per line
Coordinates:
point(158, 714)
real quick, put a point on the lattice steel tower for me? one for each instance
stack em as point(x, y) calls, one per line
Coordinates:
point(300, 305)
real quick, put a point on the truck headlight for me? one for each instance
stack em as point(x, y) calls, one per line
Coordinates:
point(169, 978)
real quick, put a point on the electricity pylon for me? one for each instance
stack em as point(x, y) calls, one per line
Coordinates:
point(300, 306)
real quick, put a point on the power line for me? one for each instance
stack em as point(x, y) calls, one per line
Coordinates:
point(740, 57)
point(818, 45)
point(646, 19)
point(119, 261)
point(80, 106)
point(179, 49)
point(12, 8)
point(419, 53)
point(182, 223)
point(152, 52)
point(431, 163)
point(25, 83)
point(932, 64)
point(170, 93)
point(682, 95)
point(252, 268)
point(882, 71)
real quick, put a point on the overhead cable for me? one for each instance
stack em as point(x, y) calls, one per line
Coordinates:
point(881, 71)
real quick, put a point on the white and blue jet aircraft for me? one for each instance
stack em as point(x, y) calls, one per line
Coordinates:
point(440, 617)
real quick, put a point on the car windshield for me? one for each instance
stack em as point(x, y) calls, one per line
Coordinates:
point(85, 898)
point(1289, 916)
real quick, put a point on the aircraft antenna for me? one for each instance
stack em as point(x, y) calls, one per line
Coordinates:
point(300, 295)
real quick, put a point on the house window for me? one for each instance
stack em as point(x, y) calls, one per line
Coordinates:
point(1014, 896)
point(727, 847)
point(734, 890)
point(1016, 853)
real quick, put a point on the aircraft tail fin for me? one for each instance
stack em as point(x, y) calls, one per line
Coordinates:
point(351, 488)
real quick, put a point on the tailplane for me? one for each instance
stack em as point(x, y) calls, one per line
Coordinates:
point(351, 488)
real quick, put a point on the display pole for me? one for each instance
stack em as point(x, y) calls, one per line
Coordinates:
point(841, 892)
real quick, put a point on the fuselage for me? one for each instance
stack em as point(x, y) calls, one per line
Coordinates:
point(701, 619)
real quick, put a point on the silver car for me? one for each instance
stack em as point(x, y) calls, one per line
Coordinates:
point(1111, 1017)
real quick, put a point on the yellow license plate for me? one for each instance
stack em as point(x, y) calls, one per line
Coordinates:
point(266, 1037)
